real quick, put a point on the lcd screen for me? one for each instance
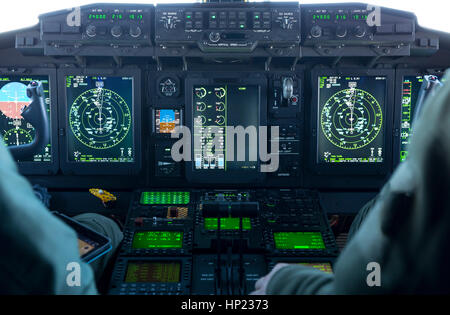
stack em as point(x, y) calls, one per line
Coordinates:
point(298, 240)
point(13, 128)
point(350, 120)
point(142, 271)
point(227, 223)
point(100, 119)
point(157, 239)
point(217, 108)
point(166, 120)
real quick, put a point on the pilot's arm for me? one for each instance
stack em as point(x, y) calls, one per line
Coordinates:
point(402, 245)
point(39, 253)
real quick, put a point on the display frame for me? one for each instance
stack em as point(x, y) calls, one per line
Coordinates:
point(399, 77)
point(236, 176)
point(104, 168)
point(121, 267)
point(353, 169)
point(43, 168)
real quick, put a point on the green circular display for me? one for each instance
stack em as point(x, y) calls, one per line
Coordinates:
point(351, 119)
point(17, 136)
point(100, 118)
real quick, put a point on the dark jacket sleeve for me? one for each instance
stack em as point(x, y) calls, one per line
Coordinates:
point(37, 248)
point(406, 232)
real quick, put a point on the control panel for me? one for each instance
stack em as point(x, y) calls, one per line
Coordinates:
point(107, 29)
point(282, 103)
point(228, 27)
point(237, 235)
point(278, 29)
point(386, 31)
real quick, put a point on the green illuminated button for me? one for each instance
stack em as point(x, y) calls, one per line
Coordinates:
point(298, 240)
point(227, 223)
point(164, 197)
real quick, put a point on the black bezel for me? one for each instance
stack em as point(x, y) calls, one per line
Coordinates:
point(355, 168)
point(93, 168)
point(230, 177)
point(44, 168)
point(121, 266)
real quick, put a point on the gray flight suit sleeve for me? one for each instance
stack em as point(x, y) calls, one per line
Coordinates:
point(104, 226)
point(37, 249)
point(407, 230)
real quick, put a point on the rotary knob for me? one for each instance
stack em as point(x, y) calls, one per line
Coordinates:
point(135, 31)
point(341, 31)
point(116, 31)
point(316, 31)
point(91, 30)
point(360, 31)
point(214, 37)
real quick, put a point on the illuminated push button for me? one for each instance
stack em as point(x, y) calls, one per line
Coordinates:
point(198, 24)
point(116, 31)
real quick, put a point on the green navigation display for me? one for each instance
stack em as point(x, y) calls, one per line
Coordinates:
point(227, 223)
point(350, 119)
point(157, 239)
point(165, 197)
point(298, 240)
point(100, 117)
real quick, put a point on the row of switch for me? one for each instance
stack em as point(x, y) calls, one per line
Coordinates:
point(340, 31)
point(360, 30)
point(231, 20)
point(116, 31)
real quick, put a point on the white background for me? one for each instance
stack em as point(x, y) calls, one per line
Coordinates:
point(16, 14)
